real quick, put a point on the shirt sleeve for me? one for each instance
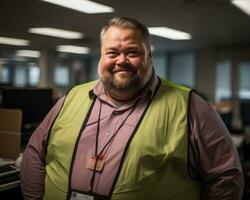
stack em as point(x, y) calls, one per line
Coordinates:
point(213, 155)
point(33, 162)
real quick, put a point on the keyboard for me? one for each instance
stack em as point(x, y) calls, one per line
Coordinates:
point(6, 170)
point(9, 179)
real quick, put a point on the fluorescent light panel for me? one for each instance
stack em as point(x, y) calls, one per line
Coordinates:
point(13, 41)
point(83, 6)
point(55, 32)
point(28, 53)
point(169, 33)
point(72, 49)
point(243, 5)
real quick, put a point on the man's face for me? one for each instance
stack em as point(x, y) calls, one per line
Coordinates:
point(125, 63)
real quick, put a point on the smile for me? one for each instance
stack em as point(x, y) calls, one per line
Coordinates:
point(123, 70)
point(124, 73)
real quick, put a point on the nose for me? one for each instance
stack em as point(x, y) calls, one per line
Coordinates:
point(122, 59)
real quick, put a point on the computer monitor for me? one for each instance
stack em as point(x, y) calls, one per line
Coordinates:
point(245, 111)
point(34, 103)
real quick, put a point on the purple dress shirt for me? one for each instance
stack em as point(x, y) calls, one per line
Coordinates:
point(212, 155)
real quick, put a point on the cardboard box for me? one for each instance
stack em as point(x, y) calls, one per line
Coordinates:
point(10, 133)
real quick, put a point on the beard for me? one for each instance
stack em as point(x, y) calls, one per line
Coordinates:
point(112, 83)
point(122, 86)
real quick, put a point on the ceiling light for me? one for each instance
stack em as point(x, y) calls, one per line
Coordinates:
point(28, 53)
point(169, 33)
point(13, 41)
point(243, 5)
point(83, 6)
point(72, 49)
point(55, 32)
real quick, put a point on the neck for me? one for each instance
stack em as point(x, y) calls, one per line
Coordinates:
point(121, 98)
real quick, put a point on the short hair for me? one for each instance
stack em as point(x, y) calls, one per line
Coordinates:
point(127, 23)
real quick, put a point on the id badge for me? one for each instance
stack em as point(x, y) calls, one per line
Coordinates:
point(79, 196)
point(92, 165)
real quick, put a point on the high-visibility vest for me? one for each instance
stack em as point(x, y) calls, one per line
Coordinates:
point(155, 161)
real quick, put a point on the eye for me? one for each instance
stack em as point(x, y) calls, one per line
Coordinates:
point(111, 54)
point(134, 53)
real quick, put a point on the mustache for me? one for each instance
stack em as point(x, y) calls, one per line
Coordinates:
point(125, 67)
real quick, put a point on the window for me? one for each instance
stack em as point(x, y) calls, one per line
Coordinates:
point(93, 72)
point(20, 78)
point(34, 73)
point(223, 80)
point(182, 69)
point(160, 65)
point(61, 76)
point(5, 74)
point(244, 80)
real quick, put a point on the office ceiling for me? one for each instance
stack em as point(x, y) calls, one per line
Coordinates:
point(212, 23)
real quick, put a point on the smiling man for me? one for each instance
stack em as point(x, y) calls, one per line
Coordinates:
point(130, 135)
point(126, 62)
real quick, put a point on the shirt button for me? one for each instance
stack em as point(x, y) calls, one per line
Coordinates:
point(115, 112)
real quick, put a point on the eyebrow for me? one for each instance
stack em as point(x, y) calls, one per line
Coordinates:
point(128, 48)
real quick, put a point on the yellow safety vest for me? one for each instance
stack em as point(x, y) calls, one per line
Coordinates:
point(154, 164)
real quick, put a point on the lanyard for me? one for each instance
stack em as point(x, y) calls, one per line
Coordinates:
point(100, 156)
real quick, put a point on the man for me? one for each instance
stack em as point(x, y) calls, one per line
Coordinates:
point(130, 135)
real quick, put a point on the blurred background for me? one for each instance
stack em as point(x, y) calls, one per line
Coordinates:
point(46, 48)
